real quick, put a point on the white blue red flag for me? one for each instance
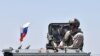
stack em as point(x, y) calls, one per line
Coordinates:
point(24, 30)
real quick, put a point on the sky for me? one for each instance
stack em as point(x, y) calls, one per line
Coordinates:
point(40, 13)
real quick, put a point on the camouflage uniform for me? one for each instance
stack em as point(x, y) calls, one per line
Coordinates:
point(74, 37)
point(74, 40)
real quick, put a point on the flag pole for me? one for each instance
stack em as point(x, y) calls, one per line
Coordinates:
point(23, 32)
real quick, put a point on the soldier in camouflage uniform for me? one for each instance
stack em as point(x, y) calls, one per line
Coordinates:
point(74, 37)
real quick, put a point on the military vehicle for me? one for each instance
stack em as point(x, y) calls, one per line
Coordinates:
point(57, 30)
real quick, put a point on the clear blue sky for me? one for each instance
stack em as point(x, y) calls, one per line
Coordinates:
point(14, 13)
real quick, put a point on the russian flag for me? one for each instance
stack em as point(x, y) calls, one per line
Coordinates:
point(24, 30)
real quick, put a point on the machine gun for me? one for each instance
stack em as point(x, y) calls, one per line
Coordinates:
point(56, 32)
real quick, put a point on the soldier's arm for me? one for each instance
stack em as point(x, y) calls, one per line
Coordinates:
point(78, 40)
point(67, 34)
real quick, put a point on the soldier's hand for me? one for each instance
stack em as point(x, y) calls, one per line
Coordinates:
point(61, 45)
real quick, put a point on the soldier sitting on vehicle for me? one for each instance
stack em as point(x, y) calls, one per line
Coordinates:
point(73, 38)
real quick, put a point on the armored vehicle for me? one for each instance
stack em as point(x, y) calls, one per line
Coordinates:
point(57, 30)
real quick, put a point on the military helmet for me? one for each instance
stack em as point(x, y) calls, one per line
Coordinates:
point(74, 22)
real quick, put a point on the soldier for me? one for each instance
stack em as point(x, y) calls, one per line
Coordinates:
point(74, 37)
